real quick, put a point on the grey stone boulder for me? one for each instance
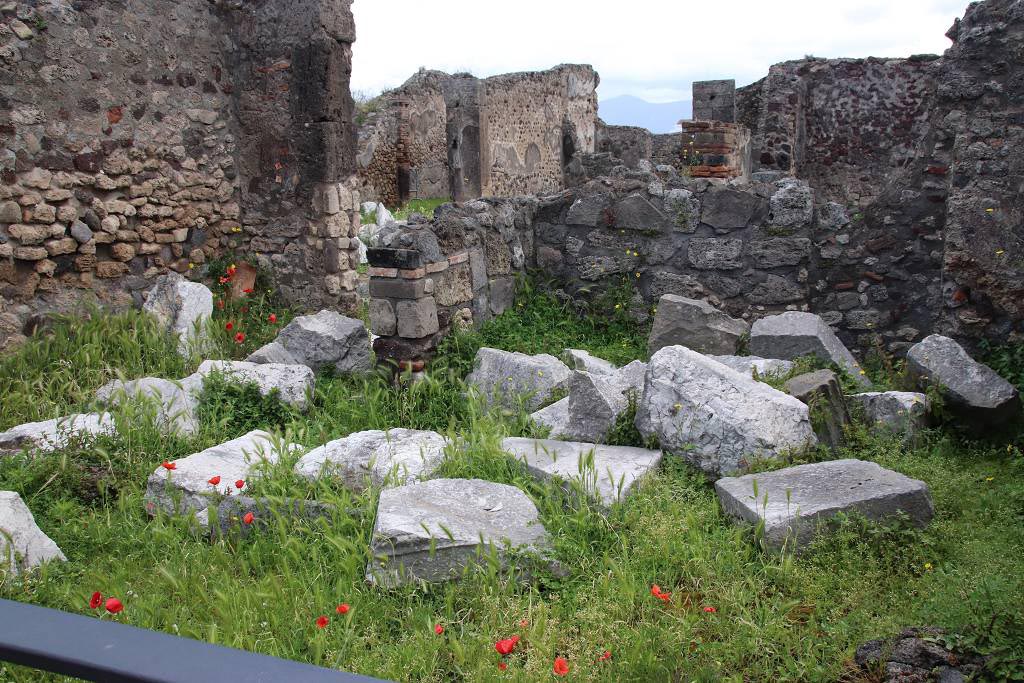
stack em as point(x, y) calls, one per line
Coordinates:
point(231, 512)
point(504, 378)
point(972, 391)
point(433, 530)
point(794, 334)
point(182, 308)
point(597, 401)
point(902, 412)
point(23, 545)
point(696, 325)
point(273, 352)
point(795, 502)
point(555, 417)
point(821, 392)
point(716, 418)
point(293, 382)
point(583, 361)
point(376, 458)
point(186, 490)
point(175, 403)
point(748, 365)
point(51, 435)
point(609, 474)
point(327, 340)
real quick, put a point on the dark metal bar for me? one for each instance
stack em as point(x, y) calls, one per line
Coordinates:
point(96, 650)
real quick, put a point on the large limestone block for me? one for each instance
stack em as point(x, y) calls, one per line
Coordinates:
point(431, 531)
point(794, 334)
point(327, 340)
point(23, 545)
point(51, 435)
point(794, 502)
point(187, 489)
point(504, 378)
point(696, 325)
point(821, 392)
point(748, 365)
point(973, 391)
point(902, 412)
point(577, 359)
point(376, 458)
point(175, 402)
point(716, 418)
point(293, 382)
point(555, 417)
point(183, 308)
point(607, 473)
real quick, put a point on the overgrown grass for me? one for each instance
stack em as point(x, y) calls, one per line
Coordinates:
point(777, 618)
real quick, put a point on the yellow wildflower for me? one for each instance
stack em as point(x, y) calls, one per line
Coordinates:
point(989, 478)
point(928, 566)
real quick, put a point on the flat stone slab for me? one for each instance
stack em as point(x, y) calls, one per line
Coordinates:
point(431, 531)
point(51, 435)
point(23, 545)
point(795, 502)
point(748, 365)
point(187, 488)
point(617, 470)
point(794, 334)
point(175, 402)
point(975, 392)
point(504, 378)
point(376, 458)
point(294, 382)
point(905, 412)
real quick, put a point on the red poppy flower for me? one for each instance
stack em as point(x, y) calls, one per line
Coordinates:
point(321, 622)
point(502, 666)
point(223, 280)
point(239, 338)
point(655, 590)
point(247, 291)
point(96, 600)
point(168, 465)
point(658, 593)
point(272, 318)
point(248, 518)
point(213, 481)
point(506, 646)
point(605, 656)
point(230, 326)
point(561, 666)
point(710, 610)
point(438, 629)
point(239, 484)
point(114, 605)
point(343, 608)
point(231, 270)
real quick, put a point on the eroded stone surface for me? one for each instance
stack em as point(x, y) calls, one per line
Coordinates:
point(583, 361)
point(505, 378)
point(608, 473)
point(183, 308)
point(748, 365)
point(431, 531)
point(794, 334)
point(555, 417)
point(293, 382)
point(327, 339)
point(376, 458)
point(794, 502)
point(273, 352)
point(175, 403)
point(694, 324)
point(51, 435)
point(716, 418)
point(23, 545)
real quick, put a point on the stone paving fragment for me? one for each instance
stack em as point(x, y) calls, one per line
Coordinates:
point(23, 545)
point(51, 435)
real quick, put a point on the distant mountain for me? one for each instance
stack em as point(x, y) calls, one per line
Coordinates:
point(657, 117)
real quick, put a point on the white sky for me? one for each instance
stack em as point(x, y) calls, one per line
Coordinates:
point(653, 49)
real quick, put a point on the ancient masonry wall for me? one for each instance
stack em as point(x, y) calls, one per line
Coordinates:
point(141, 137)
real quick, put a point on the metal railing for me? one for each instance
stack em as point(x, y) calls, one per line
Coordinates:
point(95, 650)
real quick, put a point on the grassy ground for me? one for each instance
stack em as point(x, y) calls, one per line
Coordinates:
point(775, 618)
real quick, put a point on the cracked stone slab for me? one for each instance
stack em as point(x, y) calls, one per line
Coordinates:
point(794, 503)
point(695, 324)
point(431, 531)
point(51, 435)
point(294, 382)
point(505, 377)
point(616, 470)
point(376, 458)
point(23, 545)
point(793, 334)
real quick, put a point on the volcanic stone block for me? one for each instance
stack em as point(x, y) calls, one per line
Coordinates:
point(695, 324)
point(975, 392)
point(728, 210)
point(23, 545)
point(795, 503)
point(715, 254)
point(609, 474)
point(794, 334)
point(403, 259)
point(505, 378)
point(792, 205)
point(397, 288)
point(382, 318)
point(820, 391)
point(376, 458)
point(780, 251)
point(591, 211)
point(683, 209)
point(432, 531)
point(417, 319)
point(636, 213)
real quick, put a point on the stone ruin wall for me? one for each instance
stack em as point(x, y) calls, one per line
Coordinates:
point(141, 137)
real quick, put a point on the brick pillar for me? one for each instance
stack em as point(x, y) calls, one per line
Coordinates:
point(403, 312)
point(711, 149)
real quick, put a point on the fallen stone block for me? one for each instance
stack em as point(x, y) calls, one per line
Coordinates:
point(23, 545)
point(794, 334)
point(748, 365)
point(232, 512)
point(609, 474)
point(175, 403)
point(696, 325)
point(821, 393)
point(433, 530)
point(51, 435)
point(717, 419)
point(555, 417)
point(183, 308)
point(584, 362)
point(273, 352)
point(794, 503)
point(972, 391)
point(902, 412)
point(504, 378)
point(199, 481)
point(325, 340)
point(293, 382)
point(376, 458)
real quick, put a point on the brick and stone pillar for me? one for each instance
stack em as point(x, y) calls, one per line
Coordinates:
point(714, 101)
point(712, 149)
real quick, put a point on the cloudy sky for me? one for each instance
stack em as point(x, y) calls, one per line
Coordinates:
point(652, 49)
